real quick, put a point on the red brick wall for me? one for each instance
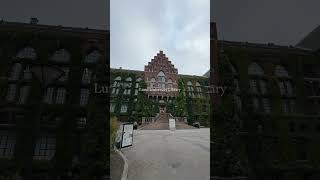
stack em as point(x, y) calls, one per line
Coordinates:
point(161, 63)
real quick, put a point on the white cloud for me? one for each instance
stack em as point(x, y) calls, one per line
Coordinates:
point(139, 29)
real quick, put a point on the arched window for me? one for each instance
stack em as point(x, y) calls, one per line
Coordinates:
point(161, 79)
point(27, 53)
point(255, 69)
point(118, 78)
point(128, 85)
point(137, 82)
point(15, 72)
point(152, 82)
point(128, 80)
point(60, 55)
point(198, 86)
point(280, 71)
point(116, 85)
point(190, 88)
point(286, 89)
point(258, 87)
point(93, 57)
point(86, 76)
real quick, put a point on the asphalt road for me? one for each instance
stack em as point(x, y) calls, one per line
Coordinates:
point(169, 155)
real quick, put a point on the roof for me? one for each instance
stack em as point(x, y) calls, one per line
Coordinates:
point(311, 41)
point(27, 27)
point(139, 71)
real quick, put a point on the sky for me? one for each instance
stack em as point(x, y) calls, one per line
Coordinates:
point(75, 13)
point(141, 28)
point(283, 22)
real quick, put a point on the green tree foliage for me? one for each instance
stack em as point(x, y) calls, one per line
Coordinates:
point(227, 152)
point(114, 126)
point(181, 102)
point(95, 144)
point(143, 105)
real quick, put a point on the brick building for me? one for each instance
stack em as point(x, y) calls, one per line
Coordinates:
point(47, 75)
point(280, 85)
point(163, 85)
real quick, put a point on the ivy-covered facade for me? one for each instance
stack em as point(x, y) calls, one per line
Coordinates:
point(270, 128)
point(52, 123)
point(129, 102)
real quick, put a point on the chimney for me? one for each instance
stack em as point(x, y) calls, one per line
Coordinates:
point(34, 20)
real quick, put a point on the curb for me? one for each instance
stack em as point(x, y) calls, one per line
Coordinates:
point(125, 165)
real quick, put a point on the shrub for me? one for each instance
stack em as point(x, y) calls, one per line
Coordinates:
point(114, 126)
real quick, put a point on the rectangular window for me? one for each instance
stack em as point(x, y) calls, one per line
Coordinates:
point(136, 92)
point(289, 88)
point(124, 108)
point(112, 107)
point(7, 144)
point(49, 95)
point(292, 106)
point(285, 106)
point(11, 94)
point(255, 103)
point(24, 93)
point(238, 102)
point(65, 77)
point(253, 86)
point(266, 105)
point(263, 87)
point(84, 97)
point(282, 88)
point(86, 76)
point(61, 95)
point(236, 84)
point(45, 147)
point(82, 121)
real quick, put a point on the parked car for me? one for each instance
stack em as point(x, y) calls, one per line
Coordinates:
point(196, 124)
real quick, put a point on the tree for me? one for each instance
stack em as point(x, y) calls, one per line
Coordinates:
point(144, 105)
point(95, 145)
point(227, 150)
point(181, 102)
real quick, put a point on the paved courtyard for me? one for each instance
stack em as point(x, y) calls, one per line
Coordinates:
point(169, 155)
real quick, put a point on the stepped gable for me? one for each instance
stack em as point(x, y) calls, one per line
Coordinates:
point(158, 65)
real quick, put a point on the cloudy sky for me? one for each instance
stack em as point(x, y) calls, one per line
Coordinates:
point(140, 28)
point(76, 13)
point(283, 22)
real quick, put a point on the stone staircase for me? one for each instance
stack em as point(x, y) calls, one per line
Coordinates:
point(162, 123)
point(183, 125)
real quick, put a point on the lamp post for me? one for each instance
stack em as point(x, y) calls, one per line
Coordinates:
point(45, 75)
